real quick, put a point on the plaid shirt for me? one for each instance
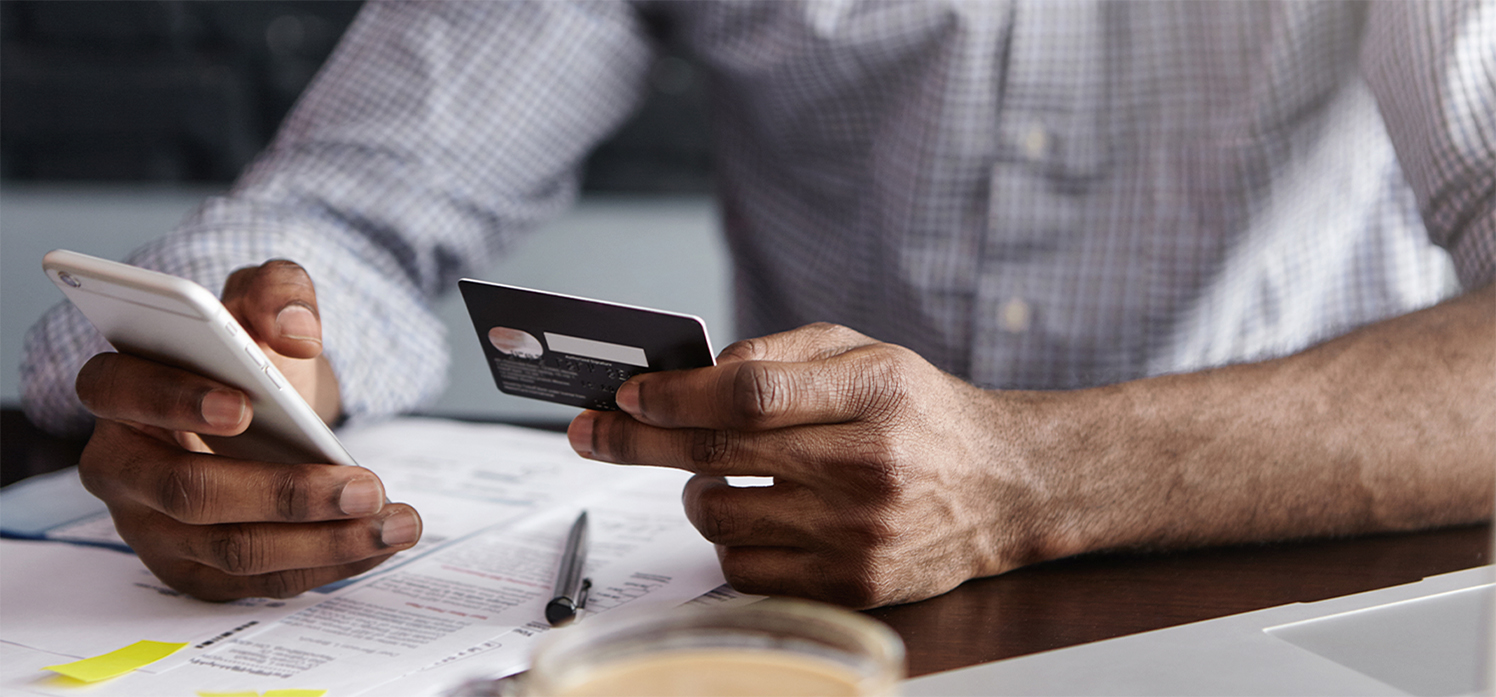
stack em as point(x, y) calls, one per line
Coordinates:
point(1031, 195)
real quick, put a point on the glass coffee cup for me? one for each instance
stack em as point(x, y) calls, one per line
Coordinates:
point(773, 647)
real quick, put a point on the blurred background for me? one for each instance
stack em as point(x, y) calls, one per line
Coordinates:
point(117, 117)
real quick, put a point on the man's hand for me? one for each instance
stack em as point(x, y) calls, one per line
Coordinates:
point(885, 488)
point(895, 482)
point(219, 528)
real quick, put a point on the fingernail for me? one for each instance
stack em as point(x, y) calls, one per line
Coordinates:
point(400, 529)
point(222, 408)
point(298, 322)
point(361, 497)
point(580, 433)
point(627, 397)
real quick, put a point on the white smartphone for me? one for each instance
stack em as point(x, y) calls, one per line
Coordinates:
point(174, 321)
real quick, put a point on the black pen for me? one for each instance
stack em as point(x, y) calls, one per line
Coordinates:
point(571, 588)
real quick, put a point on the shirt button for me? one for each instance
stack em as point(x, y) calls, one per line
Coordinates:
point(1034, 143)
point(1016, 315)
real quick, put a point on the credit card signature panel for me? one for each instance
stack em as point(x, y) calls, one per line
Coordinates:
point(576, 351)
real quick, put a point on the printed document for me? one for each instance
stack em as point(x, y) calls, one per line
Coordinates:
point(497, 502)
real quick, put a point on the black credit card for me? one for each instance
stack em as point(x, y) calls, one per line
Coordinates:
point(576, 351)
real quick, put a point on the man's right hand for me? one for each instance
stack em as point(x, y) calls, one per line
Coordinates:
point(220, 528)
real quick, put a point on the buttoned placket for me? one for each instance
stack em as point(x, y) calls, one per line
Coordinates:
point(1051, 144)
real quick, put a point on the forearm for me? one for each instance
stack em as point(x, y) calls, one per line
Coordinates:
point(434, 136)
point(1390, 427)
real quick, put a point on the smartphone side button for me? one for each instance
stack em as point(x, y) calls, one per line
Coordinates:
point(255, 356)
point(275, 378)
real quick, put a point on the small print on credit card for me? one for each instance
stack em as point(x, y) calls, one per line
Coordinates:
point(576, 351)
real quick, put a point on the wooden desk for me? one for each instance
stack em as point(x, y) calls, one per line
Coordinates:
point(1082, 599)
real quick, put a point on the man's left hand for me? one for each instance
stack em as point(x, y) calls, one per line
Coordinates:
point(892, 481)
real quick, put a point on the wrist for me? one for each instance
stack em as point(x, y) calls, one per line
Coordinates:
point(1039, 506)
point(1073, 449)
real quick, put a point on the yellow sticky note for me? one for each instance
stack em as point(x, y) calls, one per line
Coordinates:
point(116, 663)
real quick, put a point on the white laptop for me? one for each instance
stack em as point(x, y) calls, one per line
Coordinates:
point(1433, 637)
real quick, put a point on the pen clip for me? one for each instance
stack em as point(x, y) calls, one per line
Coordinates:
point(582, 594)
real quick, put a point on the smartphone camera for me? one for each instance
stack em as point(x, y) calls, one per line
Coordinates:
point(67, 278)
